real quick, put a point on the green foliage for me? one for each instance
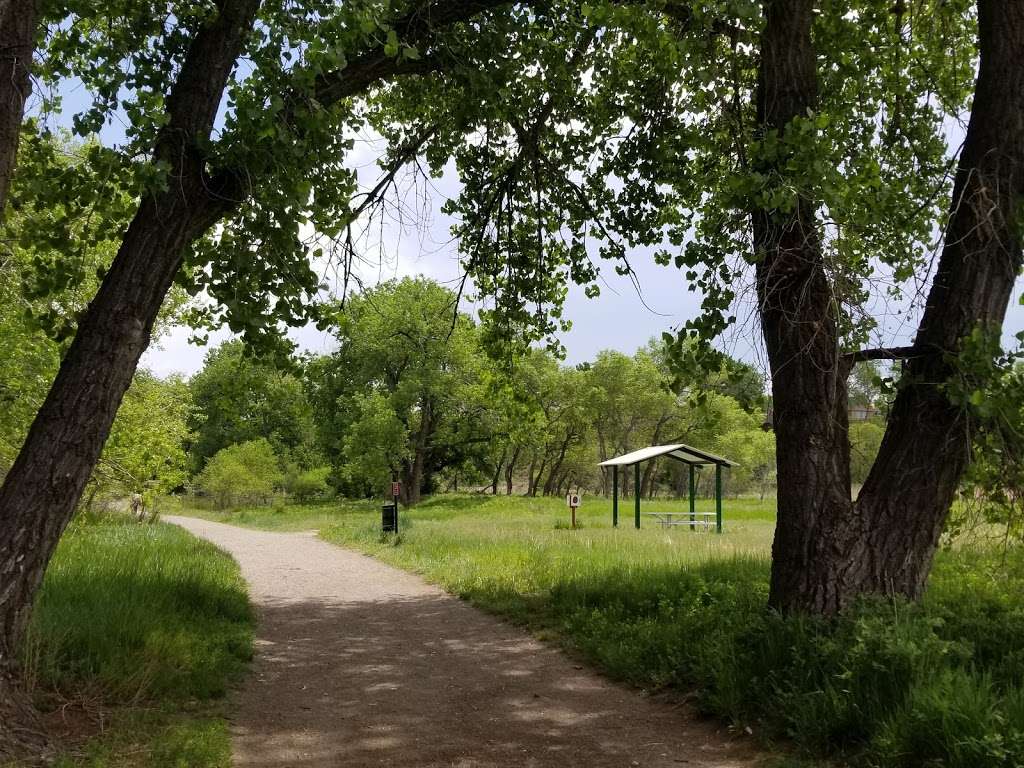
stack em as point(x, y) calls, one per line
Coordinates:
point(145, 452)
point(46, 280)
point(240, 398)
point(635, 404)
point(244, 472)
point(993, 489)
point(411, 393)
point(147, 615)
point(662, 101)
point(865, 386)
point(406, 403)
point(753, 450)
point(308, 484)
point(865, 440)
point(376, 443)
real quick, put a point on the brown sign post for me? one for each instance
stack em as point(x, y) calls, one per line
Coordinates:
point(573, 500)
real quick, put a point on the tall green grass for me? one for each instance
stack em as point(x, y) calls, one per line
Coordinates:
point(888, 684)
point(154, 625)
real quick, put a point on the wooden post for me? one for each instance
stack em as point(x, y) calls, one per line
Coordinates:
point(718, 498)
point(636, 493)
point(693, 497)
point(615, 496)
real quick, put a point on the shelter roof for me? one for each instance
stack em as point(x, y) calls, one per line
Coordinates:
point(678, 451)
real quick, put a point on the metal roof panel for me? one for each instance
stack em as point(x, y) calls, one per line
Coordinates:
point(678, 451)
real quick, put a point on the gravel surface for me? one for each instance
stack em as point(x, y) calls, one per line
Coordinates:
point(360, 664)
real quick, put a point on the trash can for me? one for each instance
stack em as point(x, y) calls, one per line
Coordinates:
point(389, 518)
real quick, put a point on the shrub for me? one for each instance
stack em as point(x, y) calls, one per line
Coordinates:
point(244, 472)
point(310, 484)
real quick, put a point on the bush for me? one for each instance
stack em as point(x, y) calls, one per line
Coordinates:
point(310, 484)
point(245, 472)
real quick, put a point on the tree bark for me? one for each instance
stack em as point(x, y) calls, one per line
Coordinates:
point(43, 487)
point(926, 448)
point(550, 487)
point(647, 481)
point(827, 549)
point(510, 469)
point(18, 24)
point(497, 471)
point(535, 479)
point(799, 323)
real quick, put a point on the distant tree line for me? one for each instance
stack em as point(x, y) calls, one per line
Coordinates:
point(411, 393)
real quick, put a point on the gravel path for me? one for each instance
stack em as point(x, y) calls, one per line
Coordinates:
point(360, 664)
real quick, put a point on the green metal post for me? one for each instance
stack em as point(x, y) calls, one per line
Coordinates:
point(615, 496)
point(693, 497)
point(718, 498)
point(636, 493)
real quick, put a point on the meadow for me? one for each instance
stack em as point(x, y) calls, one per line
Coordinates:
point(888, 684)
point(138, 633)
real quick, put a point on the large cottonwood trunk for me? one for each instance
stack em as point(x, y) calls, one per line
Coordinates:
point(799, 323)
point(43, 487)
point(18, 23)
point(827, 549)
point(906, 499)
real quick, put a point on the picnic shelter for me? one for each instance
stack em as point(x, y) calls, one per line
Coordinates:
point(694, 458)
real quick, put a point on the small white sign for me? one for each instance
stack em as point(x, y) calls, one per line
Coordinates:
point(573, 499)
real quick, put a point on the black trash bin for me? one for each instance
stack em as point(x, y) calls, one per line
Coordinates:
point(389, 518)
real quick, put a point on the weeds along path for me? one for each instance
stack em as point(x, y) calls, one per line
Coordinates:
point(361, 664)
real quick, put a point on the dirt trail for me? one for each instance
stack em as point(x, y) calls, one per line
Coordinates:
point(361, 664)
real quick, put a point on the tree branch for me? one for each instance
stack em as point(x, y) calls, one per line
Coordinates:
point(882, 353)
point(415, 29)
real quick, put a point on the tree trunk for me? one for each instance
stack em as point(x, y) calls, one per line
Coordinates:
point(647, 479)
point(510, 469)
point(907, 496)
point(553, 476)
point(18, 23)
point(415, 480)
point(535, 479)
point(497, 471)
point(827, 549)
point(799, 323)
point(44, 485)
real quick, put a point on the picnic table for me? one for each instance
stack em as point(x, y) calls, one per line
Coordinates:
point(694, 519)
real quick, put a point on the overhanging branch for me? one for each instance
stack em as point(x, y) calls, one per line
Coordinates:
point(882, 353)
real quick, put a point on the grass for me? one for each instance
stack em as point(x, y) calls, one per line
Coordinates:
point(149, 626)
point(889, 684)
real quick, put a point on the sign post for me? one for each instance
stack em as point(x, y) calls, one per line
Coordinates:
point(396, 491)
point(389, 523)
point(573, 500)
